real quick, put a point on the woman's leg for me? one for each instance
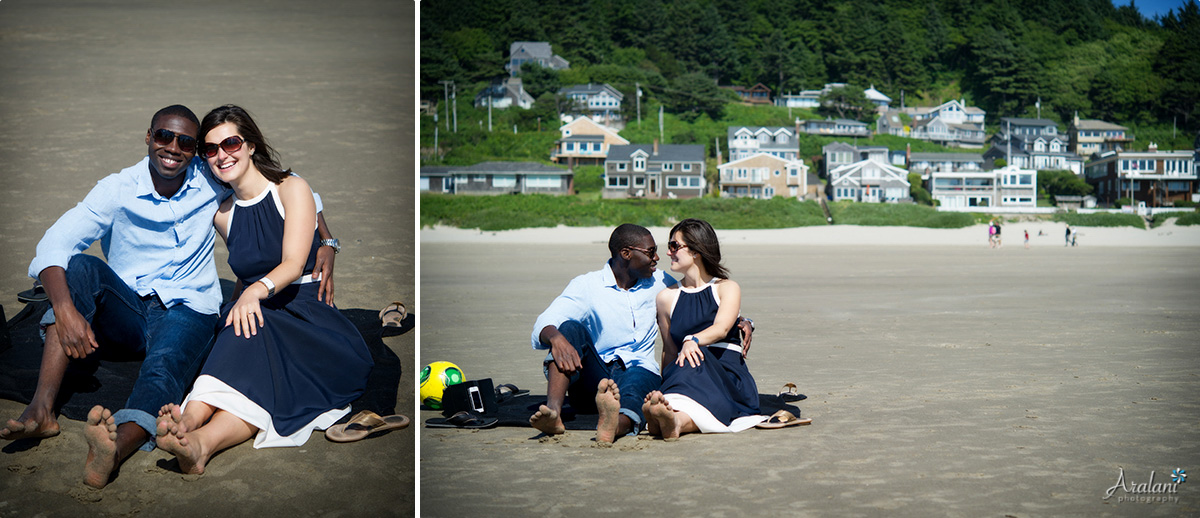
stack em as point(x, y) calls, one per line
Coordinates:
point(194, 448)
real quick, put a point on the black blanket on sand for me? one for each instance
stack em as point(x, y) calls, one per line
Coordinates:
point(515, 411)
point(108, 383)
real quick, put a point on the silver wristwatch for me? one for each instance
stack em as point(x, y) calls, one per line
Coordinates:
point(332, 243)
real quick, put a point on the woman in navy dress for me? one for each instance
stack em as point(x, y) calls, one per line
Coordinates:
point(706, 384)
point(285, 363)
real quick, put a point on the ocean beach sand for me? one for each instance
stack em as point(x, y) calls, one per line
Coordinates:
point(943, 378)
point(331, 86)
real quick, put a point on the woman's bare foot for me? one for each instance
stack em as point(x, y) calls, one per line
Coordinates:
point(100, 431)
point(34, 423)
point(661, 411)
point(547, 421)
point(173, 436)
point(651, 422)
point(608, 403)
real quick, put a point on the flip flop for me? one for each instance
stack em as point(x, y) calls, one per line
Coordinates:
point(782, 419)
point(393, 315)
point(789, 394)
point(464, 419)
point(364, 424)
point(35, 294)
point(512, 391)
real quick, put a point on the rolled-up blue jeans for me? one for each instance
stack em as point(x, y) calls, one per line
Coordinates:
point(175, 340)
point(632, 382)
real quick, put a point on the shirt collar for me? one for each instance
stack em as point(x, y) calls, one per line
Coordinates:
point(145, 184)
point(610, 279)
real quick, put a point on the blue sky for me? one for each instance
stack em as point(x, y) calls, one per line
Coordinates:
point(1152, 8)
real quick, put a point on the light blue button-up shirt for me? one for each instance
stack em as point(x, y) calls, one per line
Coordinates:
point(622, 323)
point(155, 244)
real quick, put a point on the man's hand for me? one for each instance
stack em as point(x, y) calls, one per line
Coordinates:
point(565, 355)
point(74, 333)
point(324, 267)
point(747, 328)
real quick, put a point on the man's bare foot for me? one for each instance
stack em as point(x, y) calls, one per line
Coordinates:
point(661, 411)
point(34, 423)
point(100, 431)
point(651, 422)
point(547, 421)
point(172, 435)
point(608, 403)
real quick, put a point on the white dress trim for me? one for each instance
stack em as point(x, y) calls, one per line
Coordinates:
point(704, 419)
point(215, 392)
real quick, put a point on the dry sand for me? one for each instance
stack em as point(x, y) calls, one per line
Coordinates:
point(331, 85)
point(944, 378)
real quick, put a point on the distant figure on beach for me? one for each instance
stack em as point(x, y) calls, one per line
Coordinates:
point(999, 243)
point(1067, 238)
point(991, 234)
point(285, 363)
point(1027, 238)
point(1074, 237)
point(707, 386)
point(600, 334)
point(157, 294)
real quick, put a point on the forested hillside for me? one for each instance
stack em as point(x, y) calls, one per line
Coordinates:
point(1084, 56)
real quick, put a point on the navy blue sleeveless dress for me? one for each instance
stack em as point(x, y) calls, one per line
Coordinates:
point(305, 365)
point(722, 383)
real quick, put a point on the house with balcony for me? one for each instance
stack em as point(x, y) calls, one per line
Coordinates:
point(1009, 186)
point(837, 154)
point(1088, 137)
point(539, 52)
point(763, 176)
point(504, 93)
point(490, 178)
point(600, 102)
point(584, 142)
point(1155, 177)
point(870, 181)
point(951, 124)
point(745, 141)
point(654, 171)
point(1032, 144)
point(835, 128)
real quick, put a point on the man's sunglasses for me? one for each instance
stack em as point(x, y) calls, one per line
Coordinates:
point(649, 252)
point(230, 145)
point(163, 137)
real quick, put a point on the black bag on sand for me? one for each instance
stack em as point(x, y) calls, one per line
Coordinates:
point(477, 396)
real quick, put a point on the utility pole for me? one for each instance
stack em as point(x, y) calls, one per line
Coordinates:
point(638, 86)
point(446, 95)
point(454, 101)
point(489, 112)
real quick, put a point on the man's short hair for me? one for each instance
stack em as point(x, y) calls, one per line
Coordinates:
point(626, 235)
point(177, 110)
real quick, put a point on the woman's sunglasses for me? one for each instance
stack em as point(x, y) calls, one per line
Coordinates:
point(675, 246)
point(230, 145)
point(163, 137)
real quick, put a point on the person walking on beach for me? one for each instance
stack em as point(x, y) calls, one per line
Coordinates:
point(157, 294)
point(992, 234)
point(707, 386)
point(600, 335)
point(1067, 238)
point(1027, 239)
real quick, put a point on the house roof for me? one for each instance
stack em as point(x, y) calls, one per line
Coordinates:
point(436, 170)
point(592, 89)
point(532, 49)
point(759, 155)
point(510, 167)
point(850, 169)
point(875, 95)
point(1018, 121)
point(1093, 124)
point(666, 152)
point(947, 157)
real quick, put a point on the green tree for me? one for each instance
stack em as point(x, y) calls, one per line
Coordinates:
point(847, 102)
point(539, 80)
point(693, 94)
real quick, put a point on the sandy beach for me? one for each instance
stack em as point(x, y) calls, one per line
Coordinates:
point(331, 86)
point(944, 378)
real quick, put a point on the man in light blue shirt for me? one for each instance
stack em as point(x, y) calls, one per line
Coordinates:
point(157, 294)
point(600, 332)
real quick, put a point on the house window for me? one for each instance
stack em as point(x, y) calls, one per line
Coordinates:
point(769, 192)
point(622, 166)
point(504, 180)
point(777, 173)
point(639, 164)
point(570, 146)
point(687, 168)
point(793, 172)
point(668, 166)
point(478, 178)
point(596, 147)
point(639, 181)
point(543, 181)
point(683, 181)
point(617, 182)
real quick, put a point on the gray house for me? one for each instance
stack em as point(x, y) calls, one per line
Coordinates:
point(600, 102)
point(747, 141)
point(539, 52)
point(498, 178)
point(654, 171)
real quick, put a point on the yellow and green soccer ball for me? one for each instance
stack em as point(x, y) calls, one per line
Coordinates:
point(435, 377)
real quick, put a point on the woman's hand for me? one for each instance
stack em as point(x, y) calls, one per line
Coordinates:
point(246, 310)
point(690, 353)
